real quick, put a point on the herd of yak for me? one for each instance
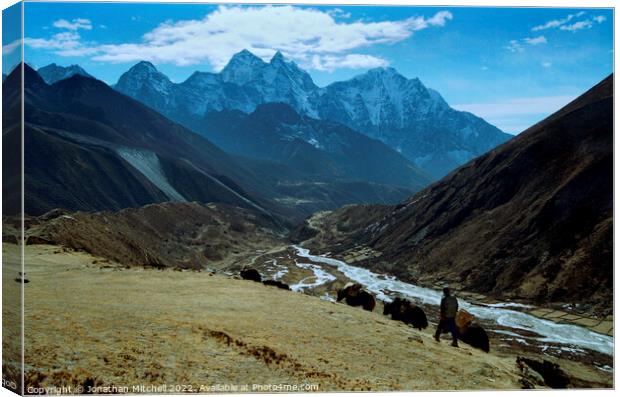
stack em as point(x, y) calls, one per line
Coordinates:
point(399, 309)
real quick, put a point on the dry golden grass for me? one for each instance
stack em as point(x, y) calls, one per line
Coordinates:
point(103, 325)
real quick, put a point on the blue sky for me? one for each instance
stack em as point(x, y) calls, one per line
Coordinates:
point(512, 66)
point(11, 37)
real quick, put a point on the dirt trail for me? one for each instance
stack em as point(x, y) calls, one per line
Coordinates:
point(92, 322)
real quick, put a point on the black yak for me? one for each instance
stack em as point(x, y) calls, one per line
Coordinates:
point(475, 336)
point(470, 332)
point(354, 295)
point(250, 274)
point(277, 283)
point(405, 311)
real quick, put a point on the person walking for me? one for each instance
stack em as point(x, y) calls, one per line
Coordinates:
point(447, 314)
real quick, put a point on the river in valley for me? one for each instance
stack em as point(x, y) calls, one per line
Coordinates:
point(510, 325)
point(384, 287)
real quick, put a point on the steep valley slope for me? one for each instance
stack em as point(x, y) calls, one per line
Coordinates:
point(91, 148)
point(529, 220)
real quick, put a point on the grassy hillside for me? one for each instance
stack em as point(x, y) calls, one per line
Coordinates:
point(91, 322)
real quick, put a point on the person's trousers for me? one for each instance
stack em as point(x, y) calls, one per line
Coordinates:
point(449, 325)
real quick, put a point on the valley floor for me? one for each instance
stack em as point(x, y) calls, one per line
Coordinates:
point(93, 323)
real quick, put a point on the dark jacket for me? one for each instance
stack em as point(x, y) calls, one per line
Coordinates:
point(449, 307)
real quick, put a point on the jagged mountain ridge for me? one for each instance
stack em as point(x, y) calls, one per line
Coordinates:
point(243, 84)
point(411, 118)
point(532, 219)
point(380, 103)
point(53, 73)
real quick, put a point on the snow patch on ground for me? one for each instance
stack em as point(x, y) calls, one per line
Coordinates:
point(314, 143)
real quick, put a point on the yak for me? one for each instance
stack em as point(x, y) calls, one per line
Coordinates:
point(470, 332)
point(250, 274)
point(405, 311)
point(354, 295)
point(475, 336)
point(278, 284)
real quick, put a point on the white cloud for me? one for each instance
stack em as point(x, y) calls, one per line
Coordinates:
point(563, 24)
point(75, 24)
point(339, 13)
point(535, 40)
point(59, 41)
point(299, 33)
point(577, 26)
point(514, 46)
point(517, 106)
point(599, 19)
point(546, 64)
point(67, 36)
point(518, 45)
point(330, 63)
point(549, 25)
point(508, 115)
point(66, 40)
point(440, 18)
point(557, 22)
point(12, 46)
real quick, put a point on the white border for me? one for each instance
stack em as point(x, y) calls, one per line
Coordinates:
point(484, 3)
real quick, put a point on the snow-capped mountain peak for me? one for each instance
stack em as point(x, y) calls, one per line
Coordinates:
point(145, 66)
point(245, 56)
point(242, 68)
point(53, 72)
point(383, 71)
point(277, 57)
point(143, 71)
point(381, 103)
point(143, 80)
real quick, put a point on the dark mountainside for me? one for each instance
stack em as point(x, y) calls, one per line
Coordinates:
point(11, 145)
point(91, 148)
point(381, 103)
point(530, 220)
point(322, 149)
